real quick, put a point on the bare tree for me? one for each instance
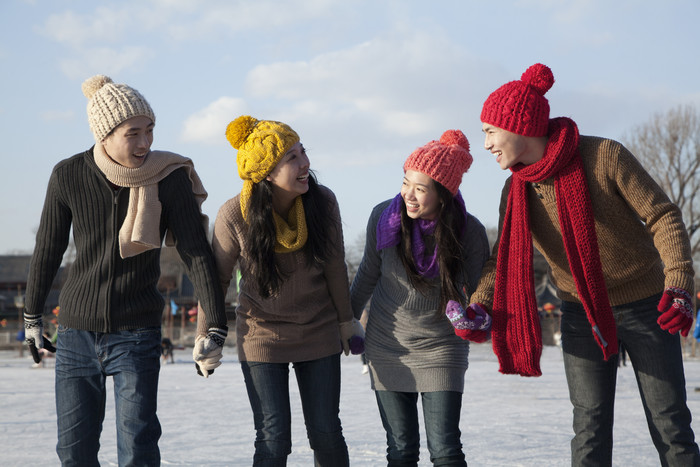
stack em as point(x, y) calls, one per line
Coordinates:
point(353, 255)
point(668, 146)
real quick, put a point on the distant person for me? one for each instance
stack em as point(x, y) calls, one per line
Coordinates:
point(423, 257)
point(48, 351)
point(619, 256)
point(120, 199)
point(166, 350)
point(284, 232)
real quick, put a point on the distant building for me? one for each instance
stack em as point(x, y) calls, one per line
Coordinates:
point(14, 270)
point(173, 284)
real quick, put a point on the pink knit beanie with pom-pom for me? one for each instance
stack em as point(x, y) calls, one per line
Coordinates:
point(520, 106)
point(445, 161)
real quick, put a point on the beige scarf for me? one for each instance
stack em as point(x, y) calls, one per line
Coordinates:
point(141, 228)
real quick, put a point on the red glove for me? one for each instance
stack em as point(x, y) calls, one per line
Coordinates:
point(677, 311)
point(472, 324)
point(473, 335)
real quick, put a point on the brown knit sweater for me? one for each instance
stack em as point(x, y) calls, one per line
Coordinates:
point(301, 322)
point(643, 242)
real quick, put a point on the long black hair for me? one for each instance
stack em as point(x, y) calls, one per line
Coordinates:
point(451, 221)
point(262, 237)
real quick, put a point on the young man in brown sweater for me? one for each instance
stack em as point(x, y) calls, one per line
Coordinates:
point(120, 199)
point(619, 255)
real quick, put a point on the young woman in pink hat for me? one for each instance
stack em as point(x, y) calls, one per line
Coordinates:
point(423, 255)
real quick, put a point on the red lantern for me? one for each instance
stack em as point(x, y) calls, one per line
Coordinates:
point(548, 307)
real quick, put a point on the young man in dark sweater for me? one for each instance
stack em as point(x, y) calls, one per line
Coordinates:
point(121, 200)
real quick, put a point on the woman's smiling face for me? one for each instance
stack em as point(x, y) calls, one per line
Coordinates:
point(420, 195)
point(290, 177)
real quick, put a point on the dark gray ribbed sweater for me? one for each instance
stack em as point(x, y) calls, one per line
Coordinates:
point(410, 346)
point(103, 292)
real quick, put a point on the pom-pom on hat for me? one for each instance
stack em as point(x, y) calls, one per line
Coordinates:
point(520, 106)
point(110, 104)
point(445, 160)
point(260, 144)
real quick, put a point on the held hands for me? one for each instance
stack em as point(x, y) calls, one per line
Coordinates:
point(472, 324)
point(33, 336)
point(352, 336)
point(677, 311)
point(207, 350)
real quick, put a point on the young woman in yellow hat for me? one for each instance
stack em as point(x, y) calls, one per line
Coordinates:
point(284, 232)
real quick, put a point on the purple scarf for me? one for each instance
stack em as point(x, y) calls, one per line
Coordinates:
point(389, 234)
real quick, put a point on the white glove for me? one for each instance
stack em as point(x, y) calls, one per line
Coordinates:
point(207, 351)
point(352, 336)
point(33, 336)
point(34, 330)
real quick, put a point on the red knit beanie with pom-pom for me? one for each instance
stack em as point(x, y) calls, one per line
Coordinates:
point(520, 106)
point(445, 161)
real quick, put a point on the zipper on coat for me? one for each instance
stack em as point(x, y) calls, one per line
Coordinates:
point(114, 250)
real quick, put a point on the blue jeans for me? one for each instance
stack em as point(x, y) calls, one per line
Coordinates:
point(441, 411)
point(319, 389)
point(84, 359)
point(658, 366)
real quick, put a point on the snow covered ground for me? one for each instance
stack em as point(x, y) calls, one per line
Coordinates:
point(506, 420)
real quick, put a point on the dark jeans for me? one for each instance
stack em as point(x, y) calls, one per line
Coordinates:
point(84, 360)
point(658, 366)
point(319, 389)
point(441, 411)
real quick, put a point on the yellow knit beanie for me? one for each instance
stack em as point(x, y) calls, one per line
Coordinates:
point(110, 104)
point(260, 144)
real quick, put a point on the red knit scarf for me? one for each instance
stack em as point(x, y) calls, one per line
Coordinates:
point(516, 332)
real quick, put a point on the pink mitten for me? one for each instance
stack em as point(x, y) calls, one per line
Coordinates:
point(474, 317)
point(472, 324)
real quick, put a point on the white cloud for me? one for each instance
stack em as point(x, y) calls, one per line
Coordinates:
point(398, 91)
point(103, 25)
point(105, 60)
point(208, 125)
point(244, 15)
point(180, 19)
point(125, 34)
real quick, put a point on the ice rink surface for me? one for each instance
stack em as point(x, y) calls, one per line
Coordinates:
point(506, 420)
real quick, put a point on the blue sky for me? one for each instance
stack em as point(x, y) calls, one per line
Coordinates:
point(364, 82)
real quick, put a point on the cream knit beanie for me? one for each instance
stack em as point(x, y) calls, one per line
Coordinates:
point(110, 104)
